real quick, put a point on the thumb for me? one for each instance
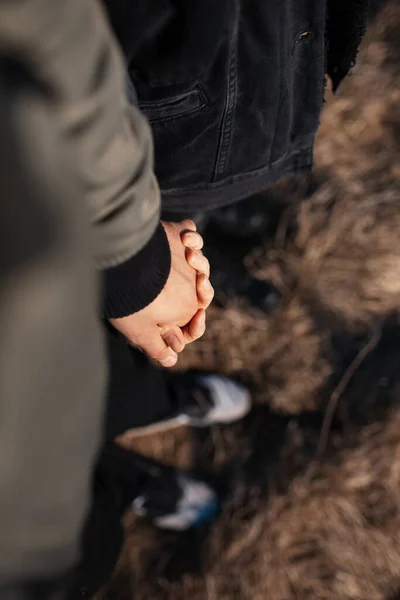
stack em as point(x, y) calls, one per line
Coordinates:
point(156, 348)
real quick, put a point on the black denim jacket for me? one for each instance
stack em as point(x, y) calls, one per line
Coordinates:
point(233, 89)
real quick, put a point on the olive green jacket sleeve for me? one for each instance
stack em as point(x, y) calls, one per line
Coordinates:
point(76, 182)
point(68, 45)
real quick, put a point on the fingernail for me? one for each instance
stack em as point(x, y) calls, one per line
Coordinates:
point(206, 284)
point(169, 361)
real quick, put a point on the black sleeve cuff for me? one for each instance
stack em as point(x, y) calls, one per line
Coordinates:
point(134, 284)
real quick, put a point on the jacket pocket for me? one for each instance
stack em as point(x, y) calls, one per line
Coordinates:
point(174, 106)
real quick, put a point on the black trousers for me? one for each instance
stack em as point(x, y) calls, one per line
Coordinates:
point(139, 393)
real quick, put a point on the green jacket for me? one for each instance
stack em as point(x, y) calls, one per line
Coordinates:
point(77, 191)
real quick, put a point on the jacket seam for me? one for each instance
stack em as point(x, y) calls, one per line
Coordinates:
point(230, 103)
point(278, 108)
point(302, 154)
point(254, 185)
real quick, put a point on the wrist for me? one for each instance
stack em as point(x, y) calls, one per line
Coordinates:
point(134, 284)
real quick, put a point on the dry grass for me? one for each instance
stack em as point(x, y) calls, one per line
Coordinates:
point(330, 538)
point(348, 232)
point(295, 528)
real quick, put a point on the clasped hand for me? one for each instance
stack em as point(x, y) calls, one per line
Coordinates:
point(177, 316)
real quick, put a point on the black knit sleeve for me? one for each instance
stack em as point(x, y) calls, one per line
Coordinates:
point(134, 284)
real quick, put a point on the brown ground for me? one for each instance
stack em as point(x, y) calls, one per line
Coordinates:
point(311, 478)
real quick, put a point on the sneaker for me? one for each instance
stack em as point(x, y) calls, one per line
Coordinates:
point(175, 501)
point(201, 401)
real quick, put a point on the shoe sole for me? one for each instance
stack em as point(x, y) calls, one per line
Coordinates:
point(159, 427)
point(184, 420)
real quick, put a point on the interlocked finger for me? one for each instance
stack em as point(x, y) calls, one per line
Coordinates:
point(174, 338)
point(196, 328)
point(192, 239)
point(205, 291)
point(198, 261)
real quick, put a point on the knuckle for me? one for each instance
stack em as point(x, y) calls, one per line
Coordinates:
point(153, 355)
point(199, 238)
point(155, 351)
point(161, 354)
point(201, 332)
point(190, 314)
point(142, 341)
